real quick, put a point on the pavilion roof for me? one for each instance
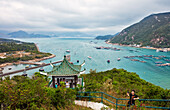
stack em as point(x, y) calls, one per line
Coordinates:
point(65, 69)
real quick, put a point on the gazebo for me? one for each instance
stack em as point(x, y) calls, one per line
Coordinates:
point(67, 72)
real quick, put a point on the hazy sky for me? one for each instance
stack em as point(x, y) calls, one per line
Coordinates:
point(91, 16)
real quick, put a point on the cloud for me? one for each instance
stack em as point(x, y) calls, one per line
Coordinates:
point(94, 16)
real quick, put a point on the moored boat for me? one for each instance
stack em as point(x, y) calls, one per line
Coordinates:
point(89, 57)
point(159, 62)
point(143, 61)
point(68, 51)
point(118, 59)
point(27, 67)
point(41, 70)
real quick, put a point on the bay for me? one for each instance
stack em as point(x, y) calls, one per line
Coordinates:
point(82, 47)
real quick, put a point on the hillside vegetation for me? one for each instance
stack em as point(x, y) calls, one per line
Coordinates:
point(106, 37)
point(24, 93)
point(153, 30)
point(7, 45)
point(10, 47)
point(117, 82)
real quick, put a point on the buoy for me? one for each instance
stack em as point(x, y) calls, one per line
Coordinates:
point(108, 61)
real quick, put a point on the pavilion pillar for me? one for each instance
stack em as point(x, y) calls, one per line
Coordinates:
point(75, 78)
point(53, 80)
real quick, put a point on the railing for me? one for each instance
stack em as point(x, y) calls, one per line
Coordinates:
point(101, 96)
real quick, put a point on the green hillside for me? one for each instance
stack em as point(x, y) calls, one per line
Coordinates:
point(25, 93)
point(117, 82)
point(153, 30)
point(7, 45)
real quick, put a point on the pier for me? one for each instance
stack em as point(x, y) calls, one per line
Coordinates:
point(26, 69)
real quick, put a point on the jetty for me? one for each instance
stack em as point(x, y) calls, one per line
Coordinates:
point(26, 69)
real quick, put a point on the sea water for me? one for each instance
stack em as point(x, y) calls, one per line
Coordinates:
point(80, 48)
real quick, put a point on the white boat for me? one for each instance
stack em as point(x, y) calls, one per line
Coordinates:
point(118, 59)
point(89, 57)
point(68, 51)
point(165, 50)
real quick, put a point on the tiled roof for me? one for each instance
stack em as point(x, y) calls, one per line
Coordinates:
point(65, 69)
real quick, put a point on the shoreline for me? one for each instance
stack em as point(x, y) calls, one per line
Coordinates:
point(34, 60)
point(153, 48)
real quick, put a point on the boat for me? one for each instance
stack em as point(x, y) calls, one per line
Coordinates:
point(9, 68)
point(167, 59)
point(89, 57)
point(98, 47)
point(134, 60)
point(166, 64)
point(24, 74)
point(157, 50)
point(161, 50)
point(126, 57)
point(68, 51)
point(118, 59)
point(41, 70)
point(159, 62)
point(143, 61)
point(162, 56)
point(27, 67)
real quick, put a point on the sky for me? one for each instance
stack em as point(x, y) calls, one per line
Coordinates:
point(87, 16)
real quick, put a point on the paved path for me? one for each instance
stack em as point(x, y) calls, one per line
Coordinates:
point(92, 105)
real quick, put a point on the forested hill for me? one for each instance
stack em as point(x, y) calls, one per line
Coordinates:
point(7, 45)
point(153, 30)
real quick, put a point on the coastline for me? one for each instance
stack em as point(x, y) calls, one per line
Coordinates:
point(153, 48)
point(34, 60)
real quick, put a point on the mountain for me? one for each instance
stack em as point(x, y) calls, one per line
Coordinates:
point(19, 34)
point(153, 30)
point(106, 37)
point(23, 34)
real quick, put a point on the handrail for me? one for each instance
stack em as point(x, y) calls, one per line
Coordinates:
point(164, 100)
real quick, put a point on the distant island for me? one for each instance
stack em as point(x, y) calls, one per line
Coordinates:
point(24, 34)
point(13, 51)
point(153, 31)
point(106, 37)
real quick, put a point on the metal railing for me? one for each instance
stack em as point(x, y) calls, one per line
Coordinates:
point(101, 96)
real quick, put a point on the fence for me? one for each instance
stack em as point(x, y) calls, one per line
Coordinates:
point(102, 94)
